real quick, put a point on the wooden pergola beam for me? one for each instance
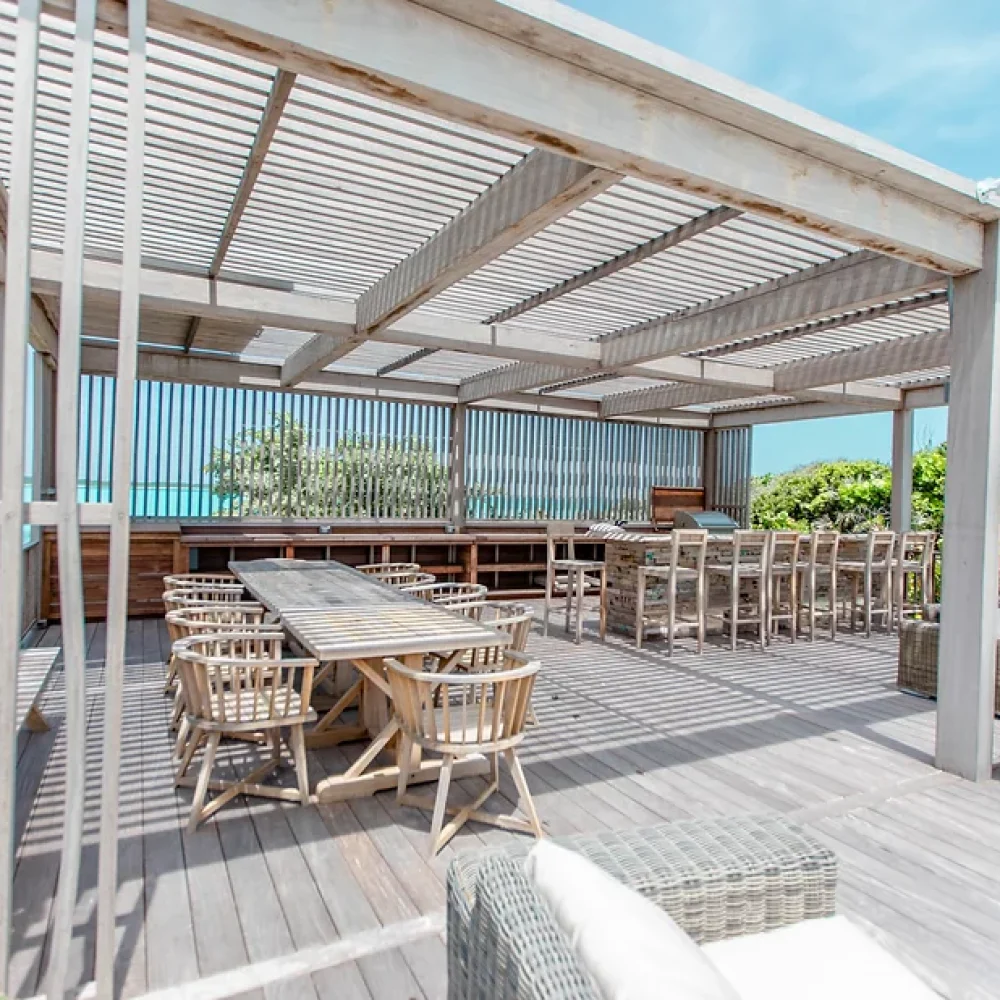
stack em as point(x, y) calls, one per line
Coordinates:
point(524, 376)
point(829, 376)
point(281, 90)
point(770, 413)
point(537, 190)
point(854, 281)
point(880, 311)
point(926, 350)
point(43, 329)
point(622, 104)
point(408, 359)
point(198, 368)
point(665, 241)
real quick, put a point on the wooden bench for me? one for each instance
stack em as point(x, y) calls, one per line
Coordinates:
point(33, 672)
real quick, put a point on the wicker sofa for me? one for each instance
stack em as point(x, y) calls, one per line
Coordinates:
point(716, 878)
point(917, 670)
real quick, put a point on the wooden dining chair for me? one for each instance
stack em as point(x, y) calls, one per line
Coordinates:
point(508, 617)
point(182, 623)
point(459, 715)
point(688, 550)
point(871, 578)
point(913, 572)
point(573, 577)
point(398, 574)
point(466, 598)
point(782, 589)
point(237, 682)
point(748, 562)
point(191, 594)
point(816, 568)
point(178, 580)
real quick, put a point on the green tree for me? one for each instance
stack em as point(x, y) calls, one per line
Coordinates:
point(277, 472)
point(848, 495)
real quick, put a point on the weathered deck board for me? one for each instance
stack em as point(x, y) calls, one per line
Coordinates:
point(624, 738)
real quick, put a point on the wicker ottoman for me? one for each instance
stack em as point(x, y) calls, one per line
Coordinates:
point(918, 659)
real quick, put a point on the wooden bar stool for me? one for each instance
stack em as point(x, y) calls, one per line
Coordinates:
point(688, 548)
point(748, 562)
point(819, 566)
point(872, 577)
point(783, 581)
point(913, 568)
point(578, 575)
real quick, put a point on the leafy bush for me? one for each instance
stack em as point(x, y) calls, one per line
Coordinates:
point(850, 496)
point(278, 472)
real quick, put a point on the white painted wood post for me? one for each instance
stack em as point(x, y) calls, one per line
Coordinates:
point(128, 336)
point(967, 658)
point(709, 466)
point(16, 300)
point(902, 470)
point(456, 467)
point(68, 524)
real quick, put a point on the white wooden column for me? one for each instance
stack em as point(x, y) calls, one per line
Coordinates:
point(709, 466)
point(456, 467)
point(967, 658)
point(902, 469)
point(121, 476)
point(16, 303)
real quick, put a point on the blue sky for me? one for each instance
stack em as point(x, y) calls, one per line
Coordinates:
point(923, 75)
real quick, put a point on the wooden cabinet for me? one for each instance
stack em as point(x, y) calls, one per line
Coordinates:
point(509, 560)
point(152, 555)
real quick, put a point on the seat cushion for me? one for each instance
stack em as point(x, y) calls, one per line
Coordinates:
point(631, 948)
point(825, 959)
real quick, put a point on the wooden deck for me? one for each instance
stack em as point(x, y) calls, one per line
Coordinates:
point(624, 739)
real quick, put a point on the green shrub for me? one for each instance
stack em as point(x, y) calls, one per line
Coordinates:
point(850, 496)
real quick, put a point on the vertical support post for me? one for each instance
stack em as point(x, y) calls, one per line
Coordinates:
point(46, 440)
point(967, 657)
point(128, 336)
point(902, 470)
point(709, 466)
point(456, 467)
point(68, 510)
point(16, 298)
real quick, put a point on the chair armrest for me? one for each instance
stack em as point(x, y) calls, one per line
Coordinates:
point(717, 878)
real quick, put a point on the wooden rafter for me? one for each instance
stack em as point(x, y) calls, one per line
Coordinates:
point(540, 188)
point(824, 377)
point(281, 90)
point(565, 82)
point(671, 238)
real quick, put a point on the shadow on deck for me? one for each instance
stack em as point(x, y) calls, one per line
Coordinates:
point(625, 738)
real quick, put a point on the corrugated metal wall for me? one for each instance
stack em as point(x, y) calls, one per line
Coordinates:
point(204, 451)
point(732, 473)
point(525, 466)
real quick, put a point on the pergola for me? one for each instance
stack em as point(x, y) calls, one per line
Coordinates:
point(477, 203)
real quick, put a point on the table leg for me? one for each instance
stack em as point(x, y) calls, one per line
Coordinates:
point(361, 778)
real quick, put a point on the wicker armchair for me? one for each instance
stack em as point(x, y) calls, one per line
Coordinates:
point(716, 878)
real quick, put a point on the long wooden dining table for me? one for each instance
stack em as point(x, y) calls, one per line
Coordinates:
point(339, 615)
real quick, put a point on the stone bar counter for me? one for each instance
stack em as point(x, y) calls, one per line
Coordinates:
point(625, 554)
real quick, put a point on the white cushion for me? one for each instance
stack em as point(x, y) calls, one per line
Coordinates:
point(632, 949)
point(827, 959)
